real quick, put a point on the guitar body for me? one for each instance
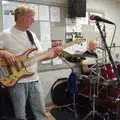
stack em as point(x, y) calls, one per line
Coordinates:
point(10, 74)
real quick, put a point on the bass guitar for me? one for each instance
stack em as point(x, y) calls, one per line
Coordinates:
point(10, 74)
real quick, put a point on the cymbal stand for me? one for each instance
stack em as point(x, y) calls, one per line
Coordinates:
point(94, 94)
point(74, 110)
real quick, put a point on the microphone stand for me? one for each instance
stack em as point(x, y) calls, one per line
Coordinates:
point(104, 35)
point(110, 58)
point(109, 54)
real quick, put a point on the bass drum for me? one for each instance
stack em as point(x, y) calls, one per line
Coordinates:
point(59, 92)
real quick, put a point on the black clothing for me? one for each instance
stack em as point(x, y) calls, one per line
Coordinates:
point(91, 54)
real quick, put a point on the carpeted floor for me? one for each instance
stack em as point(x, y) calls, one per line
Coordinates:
point(66, 114)
point(84, 107)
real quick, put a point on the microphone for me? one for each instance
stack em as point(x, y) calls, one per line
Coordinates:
point(98, 18)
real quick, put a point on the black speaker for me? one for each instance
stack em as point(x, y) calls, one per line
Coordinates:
point(76, 8)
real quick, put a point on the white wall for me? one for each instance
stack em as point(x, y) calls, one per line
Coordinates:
point(62, 2)
point(111, 10)
point(1, 25)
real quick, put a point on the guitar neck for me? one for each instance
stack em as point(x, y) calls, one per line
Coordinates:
point(66, 45)
point(42, 55)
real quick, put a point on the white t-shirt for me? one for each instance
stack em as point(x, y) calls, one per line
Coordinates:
point(17, 42)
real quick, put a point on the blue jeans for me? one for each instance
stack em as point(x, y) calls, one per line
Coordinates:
point(32, 91)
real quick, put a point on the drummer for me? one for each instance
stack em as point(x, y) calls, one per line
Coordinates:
point(91, 56)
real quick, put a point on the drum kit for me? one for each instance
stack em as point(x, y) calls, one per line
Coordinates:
point(101, 87)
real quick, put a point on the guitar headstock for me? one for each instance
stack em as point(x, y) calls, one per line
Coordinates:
point(79, 40)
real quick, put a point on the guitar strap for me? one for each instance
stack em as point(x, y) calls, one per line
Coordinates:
point(30, 36)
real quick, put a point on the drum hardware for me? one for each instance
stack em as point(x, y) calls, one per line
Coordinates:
point(109, 52)
point(118, 109)
point(79, 59)
point(116, 100)
point(110, 100)
point(103, 85)
point(76, 59)
point(94, 77)
point(95, 81)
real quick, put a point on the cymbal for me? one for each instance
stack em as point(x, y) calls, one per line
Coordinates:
point(76, 58)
